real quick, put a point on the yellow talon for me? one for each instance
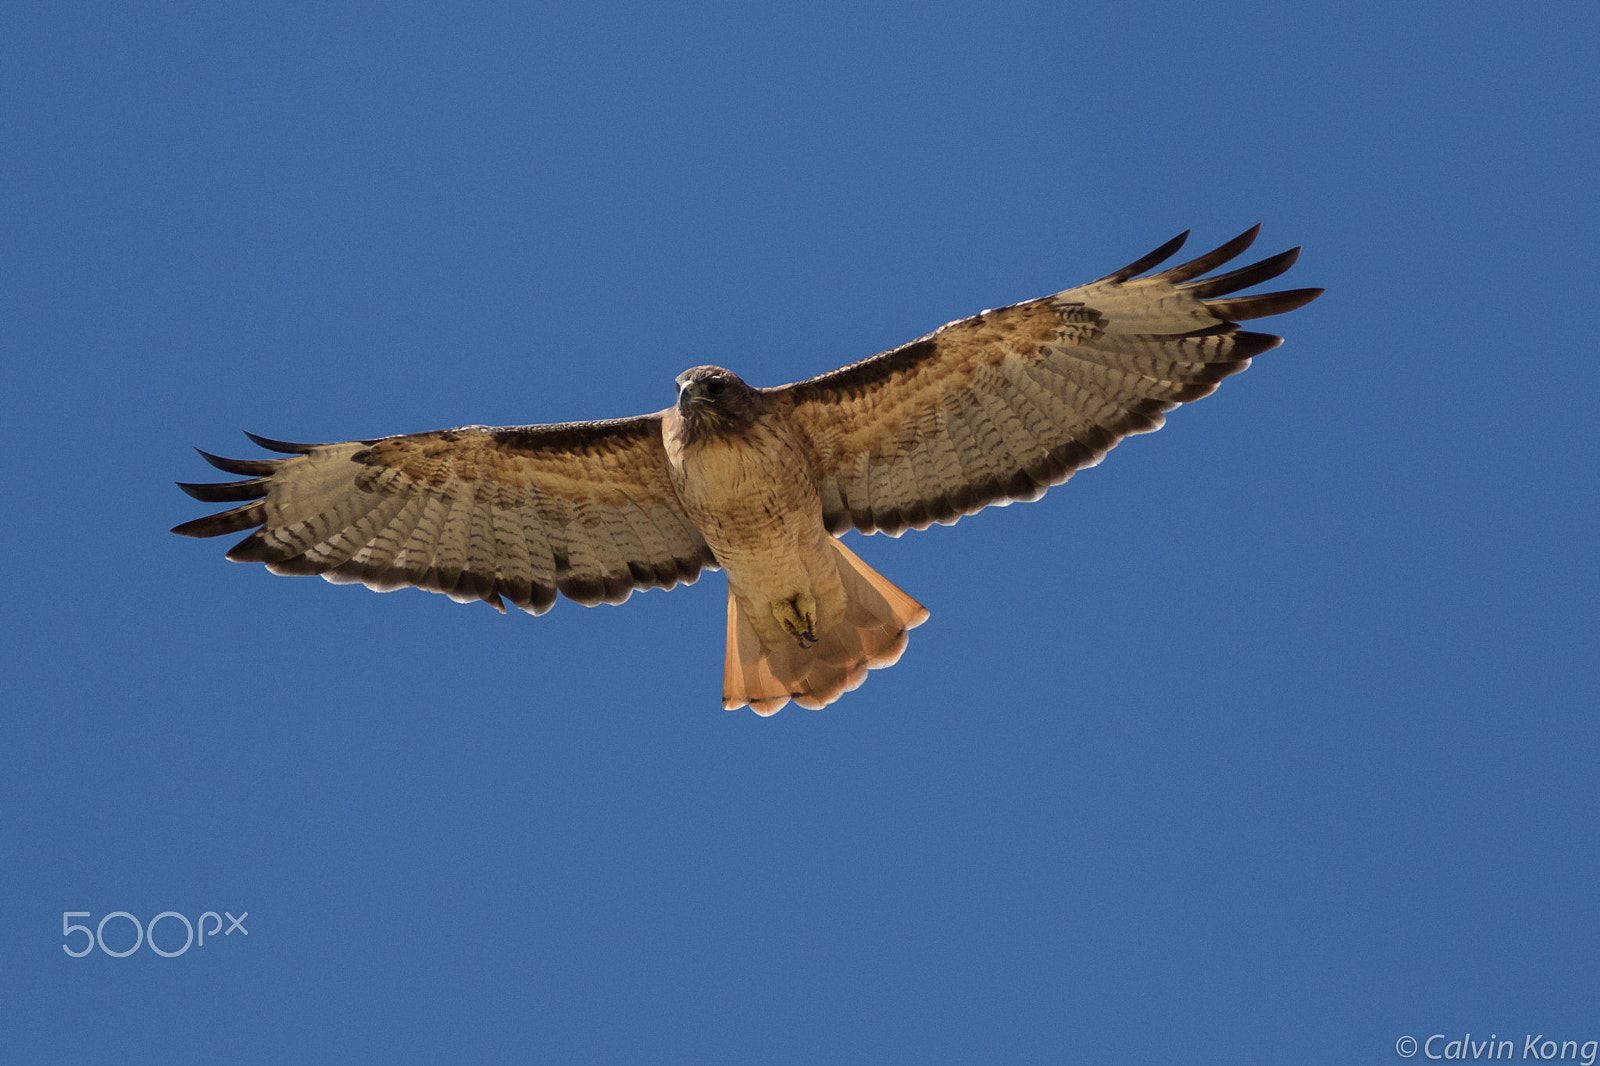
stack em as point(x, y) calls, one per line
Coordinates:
point(798, 617)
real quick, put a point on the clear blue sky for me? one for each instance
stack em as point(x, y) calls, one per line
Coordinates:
point(1272, 739)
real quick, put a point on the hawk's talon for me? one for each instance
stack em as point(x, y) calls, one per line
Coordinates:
point(798, 617)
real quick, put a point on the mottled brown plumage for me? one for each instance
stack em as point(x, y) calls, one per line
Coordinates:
point(996, 407)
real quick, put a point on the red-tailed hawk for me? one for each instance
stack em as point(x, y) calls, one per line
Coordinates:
point(758, 482)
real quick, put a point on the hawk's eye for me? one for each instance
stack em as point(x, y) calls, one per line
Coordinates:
point(715, 387)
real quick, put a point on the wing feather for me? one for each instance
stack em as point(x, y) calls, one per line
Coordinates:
point(390, 544)
point(1003, 405)
point(476, 513)
point(1244, 277)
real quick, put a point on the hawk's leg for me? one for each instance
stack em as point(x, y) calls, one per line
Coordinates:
point(798, 617)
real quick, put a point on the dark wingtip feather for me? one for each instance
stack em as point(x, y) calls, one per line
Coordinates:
point(286, 447)
point(246, 517)
point(252, 549)
point(1250, 345)
point(1212, 259)
point(1242, 308)
point(1244, 277)
point(225, 491)
point(247, 467)
point(1155, 258)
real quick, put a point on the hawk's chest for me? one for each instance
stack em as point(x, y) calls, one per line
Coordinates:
point(748, 491)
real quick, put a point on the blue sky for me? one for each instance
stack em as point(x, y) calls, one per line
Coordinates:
point(1271, 739)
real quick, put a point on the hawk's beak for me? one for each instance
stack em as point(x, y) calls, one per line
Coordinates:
point(692, 394)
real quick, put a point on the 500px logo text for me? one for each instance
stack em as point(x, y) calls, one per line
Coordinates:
point(145, 934)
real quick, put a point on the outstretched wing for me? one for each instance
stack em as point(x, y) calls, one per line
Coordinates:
point(586, 508)
point(1001, 406)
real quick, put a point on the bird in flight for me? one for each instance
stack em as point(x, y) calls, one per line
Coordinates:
point(759, 482)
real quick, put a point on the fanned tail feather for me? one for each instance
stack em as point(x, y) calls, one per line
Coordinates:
point(871, 634)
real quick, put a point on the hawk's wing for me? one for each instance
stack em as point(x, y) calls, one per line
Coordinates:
point(1001, 406)
point(476, 513)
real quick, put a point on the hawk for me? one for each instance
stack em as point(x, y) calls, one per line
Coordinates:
point(760, 482)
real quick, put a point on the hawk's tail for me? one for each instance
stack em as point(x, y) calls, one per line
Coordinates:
point(872, 633)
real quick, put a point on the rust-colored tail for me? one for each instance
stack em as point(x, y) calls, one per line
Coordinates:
point(871, 633)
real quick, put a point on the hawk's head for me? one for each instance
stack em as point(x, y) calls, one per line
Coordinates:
point(714, 400)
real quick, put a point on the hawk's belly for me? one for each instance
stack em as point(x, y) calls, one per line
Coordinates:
point(758, 508)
